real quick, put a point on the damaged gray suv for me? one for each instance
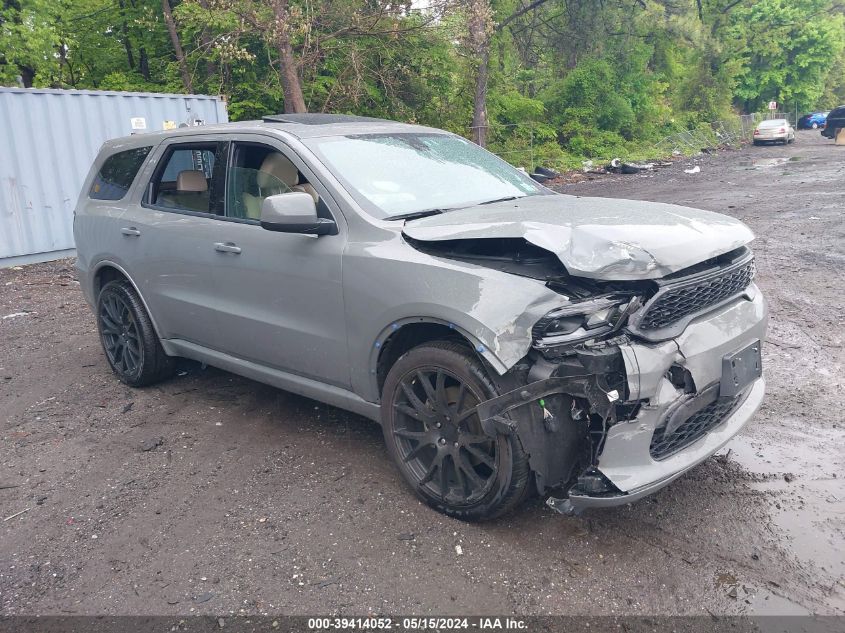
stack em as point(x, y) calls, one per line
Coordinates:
point(510, 340)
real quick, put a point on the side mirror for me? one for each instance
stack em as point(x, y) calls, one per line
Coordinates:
point(294, 213)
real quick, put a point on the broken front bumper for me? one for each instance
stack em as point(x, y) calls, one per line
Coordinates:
point(626, 459)
point(637, 478)
point(642, 452)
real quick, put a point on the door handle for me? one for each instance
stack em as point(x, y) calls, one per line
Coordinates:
point(130, 231)
point(227, 247)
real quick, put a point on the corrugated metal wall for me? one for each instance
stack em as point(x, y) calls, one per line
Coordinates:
point(48, 140)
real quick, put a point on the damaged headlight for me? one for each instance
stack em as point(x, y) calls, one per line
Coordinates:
point(583, 320)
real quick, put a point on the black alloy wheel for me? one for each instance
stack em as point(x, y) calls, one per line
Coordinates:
point(439, 436)
point(434, 434)
point(129, 340)
point(121, 337)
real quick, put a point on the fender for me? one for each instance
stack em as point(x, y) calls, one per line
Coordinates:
point(480, 348)
point(107, 262)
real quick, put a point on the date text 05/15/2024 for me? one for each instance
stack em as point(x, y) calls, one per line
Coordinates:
point(417, 623)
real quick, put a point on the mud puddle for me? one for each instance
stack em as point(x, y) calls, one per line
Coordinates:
point(804, 476)
point(753, 600)
point(762, 163)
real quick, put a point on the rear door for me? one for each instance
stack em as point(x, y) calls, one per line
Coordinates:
point(279, 295)
point(110, 198)
point(171, 236)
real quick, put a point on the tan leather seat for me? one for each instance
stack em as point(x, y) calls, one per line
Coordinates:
point(191, 192)
point(276, 175)
point(191, 180)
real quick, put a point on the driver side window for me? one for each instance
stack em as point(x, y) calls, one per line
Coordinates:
point(257, 171)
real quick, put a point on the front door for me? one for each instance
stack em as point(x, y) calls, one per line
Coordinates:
point(279, 295)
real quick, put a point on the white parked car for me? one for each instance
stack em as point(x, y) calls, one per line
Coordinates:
point(774, 131)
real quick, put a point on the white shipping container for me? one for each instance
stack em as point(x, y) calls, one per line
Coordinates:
point(48, 140)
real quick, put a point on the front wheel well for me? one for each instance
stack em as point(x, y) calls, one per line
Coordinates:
point(410, 336)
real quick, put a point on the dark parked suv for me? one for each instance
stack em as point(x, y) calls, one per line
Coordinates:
point(509, 339)
point(835, 121)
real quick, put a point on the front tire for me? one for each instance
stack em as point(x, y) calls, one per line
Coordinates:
point(815, 126)
point(129, 340)
point(435, 437)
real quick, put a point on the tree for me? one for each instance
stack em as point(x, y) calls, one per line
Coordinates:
point(177, 46)
point(481, 29)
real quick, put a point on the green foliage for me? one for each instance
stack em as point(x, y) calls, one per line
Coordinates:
point(589, 97)
point(786, 50)
point(569, 79)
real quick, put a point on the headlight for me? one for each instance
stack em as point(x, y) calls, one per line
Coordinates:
point(583, 320)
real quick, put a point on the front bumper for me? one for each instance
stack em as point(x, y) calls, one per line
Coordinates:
point(624, 465)
point(626, 460)
point(656, 475)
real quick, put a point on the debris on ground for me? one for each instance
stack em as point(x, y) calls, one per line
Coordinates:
point(549, 173)
point(151, 444)
point(693, 170)
point(616, 166)
point(16, 514)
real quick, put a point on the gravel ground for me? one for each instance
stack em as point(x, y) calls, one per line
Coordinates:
point(215, 494)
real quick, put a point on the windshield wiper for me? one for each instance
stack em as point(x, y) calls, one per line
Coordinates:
point(505, 199)
point(413, 215)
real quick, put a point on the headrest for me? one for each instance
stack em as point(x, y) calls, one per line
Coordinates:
point(278, 168)
point(191, 180)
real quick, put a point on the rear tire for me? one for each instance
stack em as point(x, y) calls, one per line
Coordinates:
point(129, 341)
point(815, 126)
point(435, 438)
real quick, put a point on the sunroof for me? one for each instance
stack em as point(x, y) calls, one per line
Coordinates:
point(315, 118)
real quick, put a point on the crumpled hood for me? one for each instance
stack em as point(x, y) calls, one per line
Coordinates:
point(599, 238)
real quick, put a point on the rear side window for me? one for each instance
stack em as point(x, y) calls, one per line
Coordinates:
point(190, 178)
point(117, 173)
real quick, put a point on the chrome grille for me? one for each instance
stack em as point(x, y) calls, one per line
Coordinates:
point(674, 304)
point(693, 428)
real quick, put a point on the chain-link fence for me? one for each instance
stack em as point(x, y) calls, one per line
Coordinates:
point(728, 133)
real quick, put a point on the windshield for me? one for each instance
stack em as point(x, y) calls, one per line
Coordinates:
point(402, 173)
point(773, 123)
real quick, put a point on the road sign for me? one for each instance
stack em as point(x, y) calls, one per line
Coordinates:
point(773, 105)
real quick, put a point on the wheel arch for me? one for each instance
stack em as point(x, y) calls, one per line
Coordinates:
point(404, 334)
point(106, 271)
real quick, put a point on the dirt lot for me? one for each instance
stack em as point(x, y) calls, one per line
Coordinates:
point(214, 494)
